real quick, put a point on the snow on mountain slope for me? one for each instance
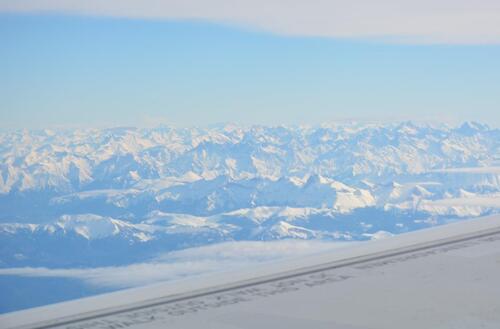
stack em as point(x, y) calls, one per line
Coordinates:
point(86, 226)
point(92, 226)
point(75, 159)
point(143, 191)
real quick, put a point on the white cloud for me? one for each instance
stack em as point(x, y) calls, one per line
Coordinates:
point(185, 263)
point(420, 21)
point(472, 170)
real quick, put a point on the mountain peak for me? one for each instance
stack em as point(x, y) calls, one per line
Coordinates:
point(470, 128)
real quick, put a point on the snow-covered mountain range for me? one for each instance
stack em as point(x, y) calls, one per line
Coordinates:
point(113, 196)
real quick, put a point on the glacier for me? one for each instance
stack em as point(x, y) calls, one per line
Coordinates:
point(112, 197)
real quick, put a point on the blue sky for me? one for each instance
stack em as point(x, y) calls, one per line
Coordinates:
point(71, 70)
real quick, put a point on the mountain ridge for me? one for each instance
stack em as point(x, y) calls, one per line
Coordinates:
point(228, 182)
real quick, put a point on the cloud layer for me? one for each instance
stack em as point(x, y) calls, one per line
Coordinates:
point(411, 21)
point(185, 263)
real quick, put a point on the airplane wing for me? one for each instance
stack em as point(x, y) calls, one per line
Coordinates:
point(443, 277)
